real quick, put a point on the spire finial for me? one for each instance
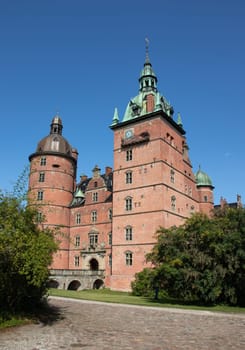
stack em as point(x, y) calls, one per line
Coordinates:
point(147, 60)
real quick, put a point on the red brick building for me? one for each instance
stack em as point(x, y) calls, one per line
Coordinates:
point(108, 221)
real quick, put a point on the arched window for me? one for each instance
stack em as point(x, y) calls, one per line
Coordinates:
point(129, 258)
point(41, 177)
point(173, 203)
point(94, 216)
point(128, 203)
point(40, 195)
point(129, 177)
point(128, 233)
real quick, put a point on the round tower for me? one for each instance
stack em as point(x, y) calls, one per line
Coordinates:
point(205, 191)
point(51, 185)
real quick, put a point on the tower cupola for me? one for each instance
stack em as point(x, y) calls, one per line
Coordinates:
point(55, 142)
point(56, 125)
point(147, 79)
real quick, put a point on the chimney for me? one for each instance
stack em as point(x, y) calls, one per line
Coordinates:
point(108, 170)
point(223, 202)
point(83, 178)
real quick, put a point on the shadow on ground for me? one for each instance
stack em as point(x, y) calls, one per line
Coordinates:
point(47, 314)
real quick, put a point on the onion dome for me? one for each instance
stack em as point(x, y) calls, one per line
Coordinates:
point(202, 179)
point(55, 142)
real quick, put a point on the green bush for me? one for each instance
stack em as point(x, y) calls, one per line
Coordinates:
point(201, 261)
point(25, 254)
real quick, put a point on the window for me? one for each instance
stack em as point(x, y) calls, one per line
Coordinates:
point(205, 198)
point(173, 203)
point(172, 173)
point(129, 155)
point(76, 260)
point(39, 216)
point(55, 144)
point(128, 233)
point(93, 239)
point(129, 177)
point(110, 214)
point(110, 238)
point(95, 184)
point(43, 161)
point(78, 218)
point(110, 260)
point(40, 195)
point(128, 203)
point(95, 196)
point(94, 216)
point(41, 177)
point(77, 241)
point(129, 258)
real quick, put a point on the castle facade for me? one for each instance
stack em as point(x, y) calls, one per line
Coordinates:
point(108, 221)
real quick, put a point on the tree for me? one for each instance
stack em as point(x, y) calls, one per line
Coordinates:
point(202, 260)
point(25, 255)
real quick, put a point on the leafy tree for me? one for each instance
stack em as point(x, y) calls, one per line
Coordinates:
point(202, 260)
point(25, 254)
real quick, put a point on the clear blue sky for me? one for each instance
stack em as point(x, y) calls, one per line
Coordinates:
point(83, 59)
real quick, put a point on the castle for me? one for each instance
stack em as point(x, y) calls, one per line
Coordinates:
point(108, 221)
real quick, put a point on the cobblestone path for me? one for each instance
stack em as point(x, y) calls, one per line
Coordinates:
point(91, 325)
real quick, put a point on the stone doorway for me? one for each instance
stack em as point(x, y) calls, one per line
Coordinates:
point(94, 265)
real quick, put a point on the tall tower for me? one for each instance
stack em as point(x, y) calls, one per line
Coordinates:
point(51, 185)
point(153, 181)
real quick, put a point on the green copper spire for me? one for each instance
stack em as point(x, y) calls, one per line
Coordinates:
point(115, 119)
point(139, 105)
point(147, 79)
point(179, 120)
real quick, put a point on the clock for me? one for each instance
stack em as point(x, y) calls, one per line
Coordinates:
point(128, 134)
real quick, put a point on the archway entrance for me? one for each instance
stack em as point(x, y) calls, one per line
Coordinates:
point(94, 265)
point(98, 284)
point(53, 284)
point(74, 285)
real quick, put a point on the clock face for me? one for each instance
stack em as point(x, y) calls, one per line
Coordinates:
point(128, 134)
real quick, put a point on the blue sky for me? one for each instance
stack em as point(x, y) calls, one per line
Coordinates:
point(83, 59)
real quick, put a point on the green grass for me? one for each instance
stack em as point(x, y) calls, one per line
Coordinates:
point(13, 322)
point(106, 295)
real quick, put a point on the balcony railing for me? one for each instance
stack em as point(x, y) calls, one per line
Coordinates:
point(80, 273)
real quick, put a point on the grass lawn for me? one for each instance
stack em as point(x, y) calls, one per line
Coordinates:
point(106, 295)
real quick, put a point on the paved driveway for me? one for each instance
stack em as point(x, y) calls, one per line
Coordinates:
point(91, 325)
